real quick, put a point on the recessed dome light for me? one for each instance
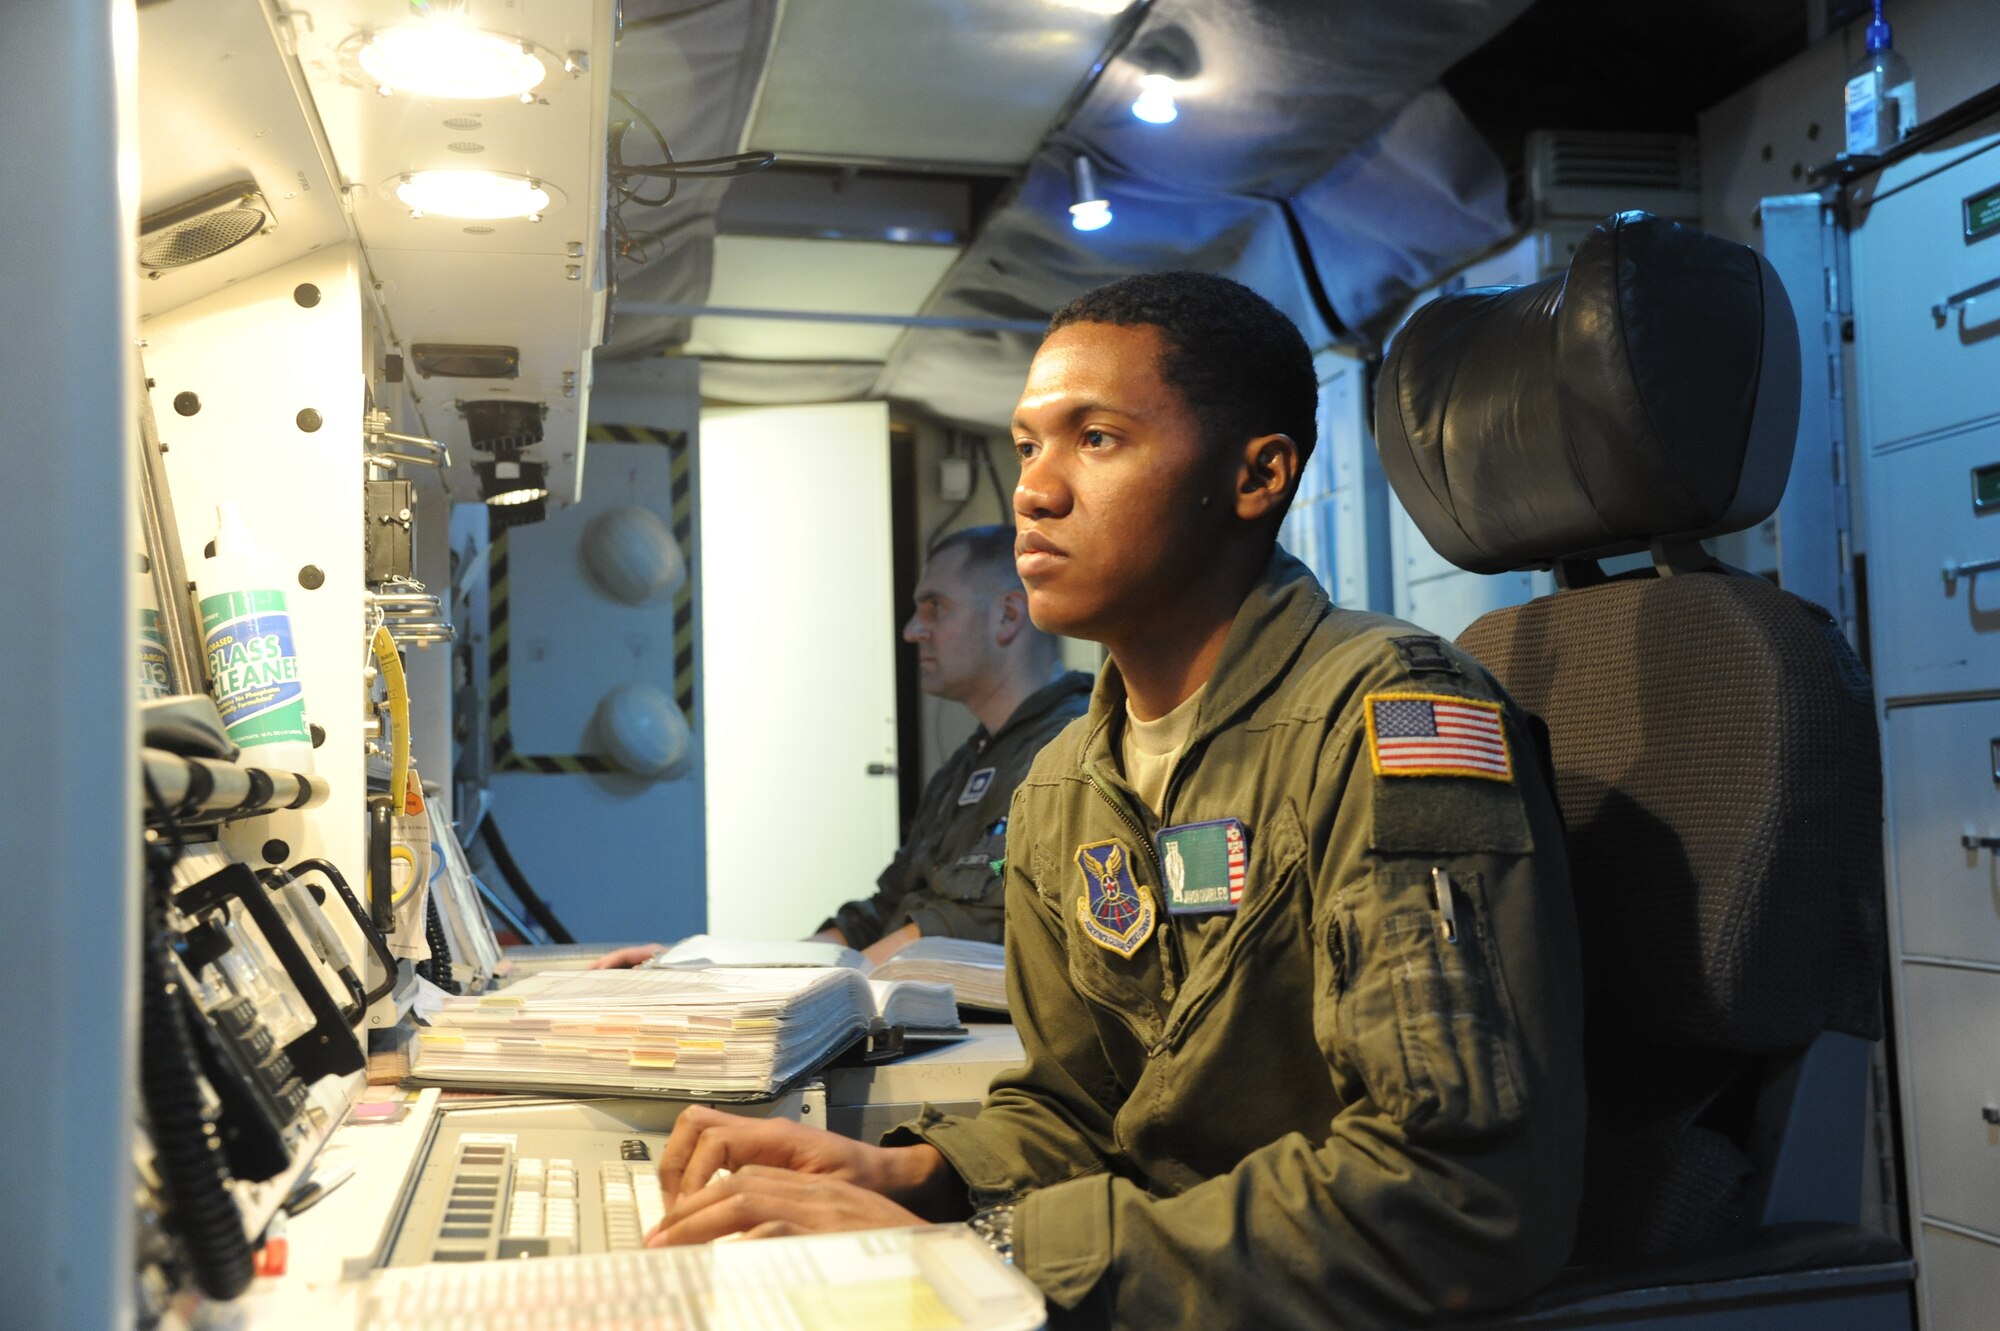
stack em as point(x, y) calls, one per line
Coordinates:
point(473, 195)
point(449, 60)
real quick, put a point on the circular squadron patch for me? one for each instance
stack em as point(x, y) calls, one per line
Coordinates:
point(1114, 911)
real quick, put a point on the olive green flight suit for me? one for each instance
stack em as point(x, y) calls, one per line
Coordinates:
point(943, 879)
point(1316, 1110)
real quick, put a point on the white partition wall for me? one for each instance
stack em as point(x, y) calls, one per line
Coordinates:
point(68, 767)
point(257, 391)
point(798, 660)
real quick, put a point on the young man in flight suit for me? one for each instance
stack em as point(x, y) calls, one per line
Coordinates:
point(975, 646)
point(1289, 934)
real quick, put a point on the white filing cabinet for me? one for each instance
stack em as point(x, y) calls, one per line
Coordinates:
point(1928, 370)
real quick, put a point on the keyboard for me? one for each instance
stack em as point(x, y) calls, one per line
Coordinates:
point(504, 1205)
point(543, 1178)
point(925, 1279)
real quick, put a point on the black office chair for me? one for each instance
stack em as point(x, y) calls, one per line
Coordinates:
point(1714, 753)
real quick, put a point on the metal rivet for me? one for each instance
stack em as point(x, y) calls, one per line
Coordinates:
point(187, 404)
point(306, 294)
point(312, 578)
point(309, 420)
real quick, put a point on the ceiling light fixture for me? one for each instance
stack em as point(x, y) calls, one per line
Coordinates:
point(516, 491)
point(1090, 210)
point(444, 58)
point(1166, 59)
point(1155, 102)
point(477, 196)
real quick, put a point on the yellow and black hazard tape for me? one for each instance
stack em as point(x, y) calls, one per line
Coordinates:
point(505, 758)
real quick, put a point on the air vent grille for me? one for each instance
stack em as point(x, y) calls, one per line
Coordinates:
point(203, 227)
point(1577, 174)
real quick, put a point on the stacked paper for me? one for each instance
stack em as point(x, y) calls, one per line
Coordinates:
point(721, 1032)
point(704, 950)
point(977, 971)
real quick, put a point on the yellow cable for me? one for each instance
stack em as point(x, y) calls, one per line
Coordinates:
point(391, 663)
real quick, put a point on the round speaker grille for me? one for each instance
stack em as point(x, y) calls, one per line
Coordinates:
point(200, 238)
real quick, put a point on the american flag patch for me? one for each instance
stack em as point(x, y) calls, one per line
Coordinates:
point(1430, 734)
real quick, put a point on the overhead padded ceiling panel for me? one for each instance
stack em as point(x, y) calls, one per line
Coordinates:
point(966, 81)
point(817, 276)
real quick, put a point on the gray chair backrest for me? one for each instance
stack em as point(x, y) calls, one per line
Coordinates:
point(1713, 738)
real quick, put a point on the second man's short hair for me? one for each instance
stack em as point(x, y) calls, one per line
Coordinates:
point(988, 552)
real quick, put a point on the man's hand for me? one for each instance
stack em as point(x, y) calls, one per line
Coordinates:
point(890, 944)
point(705, 1140)
point(625, 958)
point(761, 1202)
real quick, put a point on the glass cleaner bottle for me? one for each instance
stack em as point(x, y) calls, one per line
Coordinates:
point(1881, 94)
point(253, 666)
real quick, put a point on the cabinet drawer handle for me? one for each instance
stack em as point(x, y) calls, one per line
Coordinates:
point(1991, 1113)
point(1942, 310)
point(1977, 843)
point(1954, 570)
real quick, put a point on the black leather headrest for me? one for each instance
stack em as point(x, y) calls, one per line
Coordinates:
point(1651, 392)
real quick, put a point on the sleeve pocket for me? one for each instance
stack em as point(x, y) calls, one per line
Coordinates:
point(1427, 1021)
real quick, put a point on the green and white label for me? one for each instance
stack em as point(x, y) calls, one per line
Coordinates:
point(253, 668)
point(152, 657)
point(1982, 214)
point(1206, 866)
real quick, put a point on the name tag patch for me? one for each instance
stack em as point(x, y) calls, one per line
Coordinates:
point(1432, 734)
point(976, 786)
point(1114, 912)
point(1206, 866)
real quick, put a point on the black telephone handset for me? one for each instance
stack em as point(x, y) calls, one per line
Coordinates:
point(188, 1053)
point(194, 1172)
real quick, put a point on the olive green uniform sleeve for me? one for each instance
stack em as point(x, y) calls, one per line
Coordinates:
point(1447, 1179)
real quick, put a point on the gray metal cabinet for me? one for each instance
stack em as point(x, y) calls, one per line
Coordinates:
point(1941, 792)
point(1960, 1280)
point(1926, 300)
point(1928, 376)
point(1954, 1058)
point(1937, 611)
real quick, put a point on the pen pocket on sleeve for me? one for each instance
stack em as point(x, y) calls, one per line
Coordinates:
point(1425, 1010)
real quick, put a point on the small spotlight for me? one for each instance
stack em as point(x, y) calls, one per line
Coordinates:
point(473, 195)
point(1165, 61)
point(1090, 211)
point(516, 492)
point(445, 59)
point(1155, 102)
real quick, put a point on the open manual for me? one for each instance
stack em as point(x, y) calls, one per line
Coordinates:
point(722, 1033)
point(975, 971)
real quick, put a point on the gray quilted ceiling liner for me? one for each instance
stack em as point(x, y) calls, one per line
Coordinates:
point(1328, 110)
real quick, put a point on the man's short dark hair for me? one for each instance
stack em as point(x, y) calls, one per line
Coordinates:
point(1239, 363)
point(989, 552)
